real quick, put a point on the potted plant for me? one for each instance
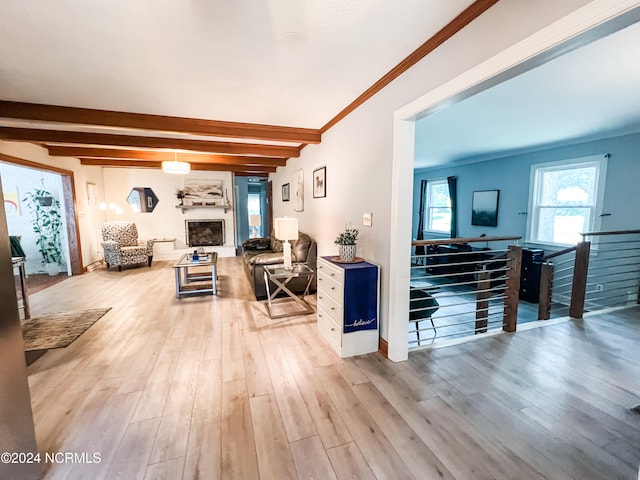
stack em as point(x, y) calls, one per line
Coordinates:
point(347, 243)
point(47, 222)
point(180, 196)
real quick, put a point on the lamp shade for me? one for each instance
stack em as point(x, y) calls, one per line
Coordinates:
point(175, 167)
point(255, 220)
point(286, 228)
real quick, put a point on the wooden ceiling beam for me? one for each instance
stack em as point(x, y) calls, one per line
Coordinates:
point(91, 152)
point(84, 138)
point(246, 174)
point(194, 166)
point(190, 126)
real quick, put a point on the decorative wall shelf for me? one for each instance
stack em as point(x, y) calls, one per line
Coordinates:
point(191, 207)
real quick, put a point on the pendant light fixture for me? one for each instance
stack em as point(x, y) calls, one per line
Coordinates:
point(176, 167)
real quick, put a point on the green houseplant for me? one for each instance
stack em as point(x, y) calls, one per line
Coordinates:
point(47, 223)
point(347, 243)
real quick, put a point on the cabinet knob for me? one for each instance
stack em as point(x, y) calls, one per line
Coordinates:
point(320, 298)
point(333, 329)
point(333, 274)
point(333, 288)
point(333, 308)
point(320, 315)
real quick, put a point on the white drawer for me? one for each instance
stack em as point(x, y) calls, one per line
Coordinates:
point(331, 270)
point(329, 329)
point(330, 287)
point(330, 307)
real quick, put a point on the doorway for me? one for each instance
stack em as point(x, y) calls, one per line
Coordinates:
point(36, 192)
point(569, 33)
point(253, 212)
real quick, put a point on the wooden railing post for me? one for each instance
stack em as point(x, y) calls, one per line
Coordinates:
point(482, 300)
point(579, 287)
point(514, 260)
point(546, 290)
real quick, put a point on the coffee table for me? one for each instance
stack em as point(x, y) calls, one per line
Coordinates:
point(280, 277)
point(185, 281)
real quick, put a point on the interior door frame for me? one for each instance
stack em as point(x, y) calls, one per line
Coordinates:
point(581, 27)
point(71, 214)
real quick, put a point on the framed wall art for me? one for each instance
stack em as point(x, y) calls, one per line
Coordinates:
point(319, 182)
point(199, 192)
point(484, 208)
point(298, 191)
point(92, 194)
point(285, 192)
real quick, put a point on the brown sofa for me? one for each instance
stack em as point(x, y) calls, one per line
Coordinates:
point(258, 252)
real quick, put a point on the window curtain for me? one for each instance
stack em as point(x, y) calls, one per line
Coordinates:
point(420, 235)
point(453, 197)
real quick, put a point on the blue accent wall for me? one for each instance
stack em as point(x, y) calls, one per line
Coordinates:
point(511, 175)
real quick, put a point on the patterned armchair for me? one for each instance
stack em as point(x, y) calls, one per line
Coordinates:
point(122, 246)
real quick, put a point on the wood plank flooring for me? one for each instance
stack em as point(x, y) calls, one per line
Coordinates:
point(211, 388)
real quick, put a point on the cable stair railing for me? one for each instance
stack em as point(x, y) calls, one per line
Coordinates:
point(460, 289)
point(602, 271)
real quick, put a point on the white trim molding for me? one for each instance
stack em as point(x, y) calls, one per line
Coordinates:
point(591, 22)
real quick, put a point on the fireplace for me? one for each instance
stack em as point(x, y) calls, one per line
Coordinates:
point(204, 233)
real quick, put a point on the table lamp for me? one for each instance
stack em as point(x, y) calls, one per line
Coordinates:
point(286, 229)
point(255, 221)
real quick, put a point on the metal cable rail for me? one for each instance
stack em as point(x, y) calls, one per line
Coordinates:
point(457, 294)
point(618, 285)
point(610, 274)
point(459, 313)
point(593, 300)
point(450, 254)
point(458, 274)
point(470, 279)
point(474, 302)
point(460, 334)
point(612, 259)
point(617, 242)
point(556, 279)
point(441, 327)
point(562, 262)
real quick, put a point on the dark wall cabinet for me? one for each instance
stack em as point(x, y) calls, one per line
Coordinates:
point(530, 274)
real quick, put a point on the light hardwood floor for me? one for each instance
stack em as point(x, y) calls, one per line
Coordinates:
point(211, 388)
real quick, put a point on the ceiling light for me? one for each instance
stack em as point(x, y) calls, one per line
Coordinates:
point(176, 167)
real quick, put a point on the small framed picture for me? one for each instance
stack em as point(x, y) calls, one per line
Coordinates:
point(484, 208)
point(320, 182)
point(298, 191)
point(285, 192)
point(92, 194)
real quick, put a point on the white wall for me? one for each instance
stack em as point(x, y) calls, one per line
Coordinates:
point(89, 217)
point(358, 151)
point(166, 220)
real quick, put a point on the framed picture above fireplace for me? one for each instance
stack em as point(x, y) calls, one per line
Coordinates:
point(198, 192)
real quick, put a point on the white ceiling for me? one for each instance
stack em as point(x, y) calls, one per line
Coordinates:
point(590, 93)
point(279, 62)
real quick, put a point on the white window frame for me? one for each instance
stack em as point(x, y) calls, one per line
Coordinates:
point(427, 207)
point(598, 161)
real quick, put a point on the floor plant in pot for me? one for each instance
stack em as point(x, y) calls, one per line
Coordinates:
point(47, 224)
point(347, 243)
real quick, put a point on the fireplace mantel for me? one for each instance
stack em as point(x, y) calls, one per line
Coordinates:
point(191, 207)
